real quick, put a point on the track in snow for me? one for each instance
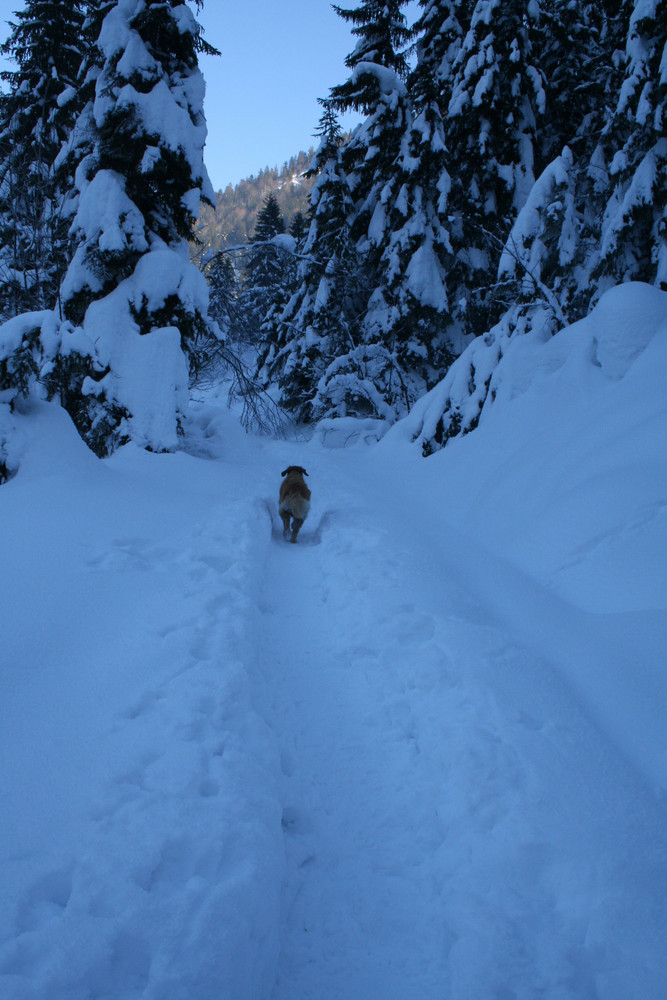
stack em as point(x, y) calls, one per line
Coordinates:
point(454, 825)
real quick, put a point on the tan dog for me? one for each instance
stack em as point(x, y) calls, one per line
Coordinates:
point(294, 499)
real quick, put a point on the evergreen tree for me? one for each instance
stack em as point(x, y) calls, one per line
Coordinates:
point(549, 258)
point(36, 116)
point(416, 253)
point(266, 269)
point(496, 101)
point(364, 335)
point(317, 319)
point(131, 289)
point(540, 260)
point(223, 294)
point(270, 221)
point(554, 243)
point(581, 87)
point(298, 227)
point(376, 87)
point(634, 228)
point(382, 31)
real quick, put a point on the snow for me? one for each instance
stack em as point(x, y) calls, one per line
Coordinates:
point(108, 217)
point(583, 514)
point(424, 277)
point(161, 115)
point(170, 110)
point(551, 194)
point(388, 81)
point(418, 755)
point(14, 330)
point(639, 192)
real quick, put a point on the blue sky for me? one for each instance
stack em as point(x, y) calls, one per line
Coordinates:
point(277, 59)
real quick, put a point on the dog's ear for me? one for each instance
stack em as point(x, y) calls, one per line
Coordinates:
point(304, 472)
point(285, 471)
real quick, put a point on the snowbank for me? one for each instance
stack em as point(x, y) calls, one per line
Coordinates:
point(140, 837)
point(560, 497)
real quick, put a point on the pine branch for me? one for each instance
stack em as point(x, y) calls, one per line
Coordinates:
point(504, 246)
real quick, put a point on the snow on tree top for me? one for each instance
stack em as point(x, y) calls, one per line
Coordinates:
point(388, 80)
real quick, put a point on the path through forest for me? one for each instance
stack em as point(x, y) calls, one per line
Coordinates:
point(457, 822)
point(455, 825)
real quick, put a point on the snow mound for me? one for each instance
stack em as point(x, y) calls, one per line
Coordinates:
point(140, 847)
point(518, 354)
point(624, 322)
point(565, 481)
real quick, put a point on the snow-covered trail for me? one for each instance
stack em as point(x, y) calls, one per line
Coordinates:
point(455, 825)
point(358, 841)
point(176, 680)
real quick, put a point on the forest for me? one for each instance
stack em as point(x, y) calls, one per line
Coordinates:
point(510, 166)
point(232, 219)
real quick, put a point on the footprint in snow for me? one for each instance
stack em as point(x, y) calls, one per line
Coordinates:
point(310, 534)
point(46, 899)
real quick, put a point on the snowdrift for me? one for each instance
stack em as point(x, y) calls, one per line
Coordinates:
point(140, 838)
point(561, 492)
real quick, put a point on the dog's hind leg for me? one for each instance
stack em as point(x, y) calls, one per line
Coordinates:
point(296, 525)
point(286, 520)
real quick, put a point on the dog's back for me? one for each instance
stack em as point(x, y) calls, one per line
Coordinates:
point(294, 499)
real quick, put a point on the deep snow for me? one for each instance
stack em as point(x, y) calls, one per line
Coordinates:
point(421, 754)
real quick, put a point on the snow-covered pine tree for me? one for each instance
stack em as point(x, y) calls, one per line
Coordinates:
point(223, 287)
point(404, 242)
point(266, 267)
point(382, 31)
point(370, 378)
point(136, 308)
point(634, 228)
point(549, 253)
point(315, 324)
point(553, 245)
point(496, 101)
point(579, 59)
point(36, 117)
point(415, 252)
point(546, 264)
point(537, 265)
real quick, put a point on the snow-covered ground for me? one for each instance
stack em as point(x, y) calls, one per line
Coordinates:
point(419, 755)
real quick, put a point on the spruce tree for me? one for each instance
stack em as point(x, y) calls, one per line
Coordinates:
point(298, 227)
point(552, 248)
point(605, 115)
point(135, 306)
point(416, 251)
point(266, 268)
point(36, 116)
point(382, 31)
point(634, 228)
point(315, 323)
point(223, 293)
point(496, 102)
point(369, 379)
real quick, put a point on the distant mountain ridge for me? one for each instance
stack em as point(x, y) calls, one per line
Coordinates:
point(232, 222)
